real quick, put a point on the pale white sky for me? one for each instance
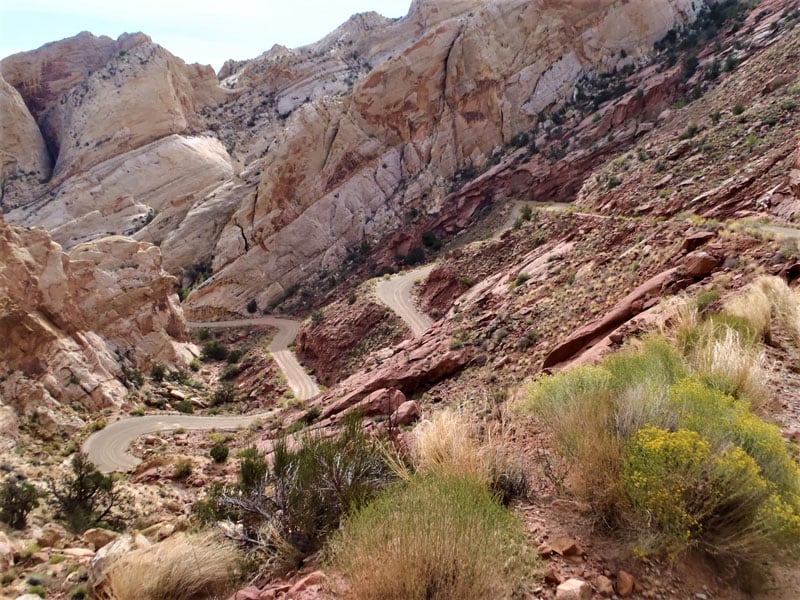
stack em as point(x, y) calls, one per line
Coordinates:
point(203, 31)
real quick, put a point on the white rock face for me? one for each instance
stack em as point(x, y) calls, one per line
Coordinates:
point(463, 79)
point(69, 322)
point(317, 148)
point(23, 153)
point(117, 196)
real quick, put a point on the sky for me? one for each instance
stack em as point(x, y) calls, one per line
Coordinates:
point(203, 31)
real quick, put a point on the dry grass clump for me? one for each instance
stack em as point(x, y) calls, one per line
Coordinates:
point(753, 305)
point(445, 444)
point(442, 532)
point(448, 445)
point(785, 303)
point(731, 366)
point(769, 304)
point(183, 567)
point(434, 537)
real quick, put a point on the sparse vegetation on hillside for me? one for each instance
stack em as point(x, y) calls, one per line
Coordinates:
point(289, 506)
point(87, 497)
point(17, 499)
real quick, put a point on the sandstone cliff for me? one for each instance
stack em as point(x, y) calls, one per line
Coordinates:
point(464, 79)
point(120, 119)
point(23, 152)
point(322, 147)
point(71, 323)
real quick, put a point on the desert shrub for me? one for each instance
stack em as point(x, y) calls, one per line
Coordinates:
point(253, 469)
point(183, 468)
point(214, 350)
point(438, 536)
point(414, 257)
point(234, 356)
point(182, 567)
point(87, 497)
point(17, 499)
point(219, 452)
point(158, 372)
point(230, 372)
point(204, 334)
point(184, 406)
point(670, 448)
point(291, 505)
point(723, 482)
point(224, 394)
point(738, 109)
point(431, 240)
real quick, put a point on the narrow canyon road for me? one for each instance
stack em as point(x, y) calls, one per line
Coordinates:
point(108, 448)
point(396, 294)
point(303, 386)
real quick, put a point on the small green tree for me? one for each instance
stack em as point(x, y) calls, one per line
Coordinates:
point(87, 497)
point(17, 499)
point(158, 372)
point(219, 452)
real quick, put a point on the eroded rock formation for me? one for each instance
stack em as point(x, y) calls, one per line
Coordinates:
point(71, 323)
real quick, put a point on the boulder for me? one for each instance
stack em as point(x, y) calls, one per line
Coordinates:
point(50, 535)
point(699, 264)
point(695, 240)
point(625, 584)
point(382, 402)
point(574, 589)
point(312, 579)
point(566, 546)
point(99, 537)
point(406, 414)
point(605, 587)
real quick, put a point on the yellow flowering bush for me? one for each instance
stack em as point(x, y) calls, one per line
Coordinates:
point(656, 447)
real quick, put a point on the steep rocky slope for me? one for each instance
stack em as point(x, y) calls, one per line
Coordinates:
point(73, 324)
point(323, 148)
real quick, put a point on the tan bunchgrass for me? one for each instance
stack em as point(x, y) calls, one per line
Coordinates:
point(733, 367)
point(450, 445)
point(785, 305)
point(183, 567)
point(755, 306)
point(446, 444)
point(439, 536)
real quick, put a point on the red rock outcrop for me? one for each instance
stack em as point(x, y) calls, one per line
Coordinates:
point(332, 343)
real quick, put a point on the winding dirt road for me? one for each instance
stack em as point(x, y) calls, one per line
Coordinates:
point(108, 448)
point(303, 386)
point(396, 294)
